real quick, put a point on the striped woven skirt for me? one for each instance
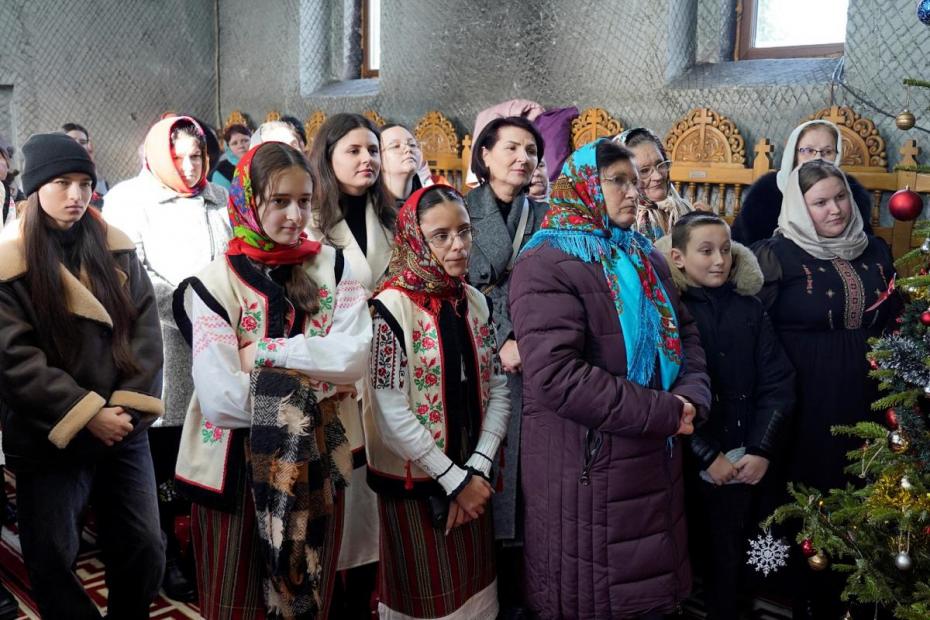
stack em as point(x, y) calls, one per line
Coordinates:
point(230, 566)
point(426, 574)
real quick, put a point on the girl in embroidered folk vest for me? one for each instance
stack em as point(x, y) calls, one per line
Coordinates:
point(352, 211)
point(80, 359)
point(276, 300)
point(439, 412)
point(826, 289)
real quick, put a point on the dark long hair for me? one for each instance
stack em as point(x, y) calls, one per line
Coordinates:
point(57, 328)
point(268, 163)
point(325, 185)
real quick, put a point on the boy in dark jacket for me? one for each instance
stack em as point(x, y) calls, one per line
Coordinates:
point(752, 383)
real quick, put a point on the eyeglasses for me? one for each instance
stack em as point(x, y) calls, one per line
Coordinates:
point(660, 167)
point(413, 145)
point(621, 183)
point(827, 152)
point(443, 240)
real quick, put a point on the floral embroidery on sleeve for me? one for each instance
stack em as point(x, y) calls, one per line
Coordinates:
point(268, 350)
point(388, 365)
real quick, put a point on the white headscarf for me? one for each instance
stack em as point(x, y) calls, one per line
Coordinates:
point(791, 149)
point(795, 223)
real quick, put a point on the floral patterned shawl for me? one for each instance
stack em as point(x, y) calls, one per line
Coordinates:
point(413, 268)
point(249, 237)
point(577, 223)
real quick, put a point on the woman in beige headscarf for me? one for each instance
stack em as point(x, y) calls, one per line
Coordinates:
point(659, 205)
point(817, 139)
point(826, 289)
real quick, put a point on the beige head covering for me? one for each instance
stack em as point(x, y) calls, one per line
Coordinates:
point(796, 224)
point(791, 149)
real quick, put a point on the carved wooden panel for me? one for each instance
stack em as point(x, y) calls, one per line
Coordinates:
point(706, 137)
point(235, 118)
point(436, 135)
point(274, 115)
point(375, 118)
point(592, 124)
point(862, 144)
point(312, 126)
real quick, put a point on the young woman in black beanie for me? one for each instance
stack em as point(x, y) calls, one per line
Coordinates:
point(80, 358)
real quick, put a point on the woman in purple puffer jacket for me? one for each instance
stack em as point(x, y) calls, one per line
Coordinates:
point(613, 373)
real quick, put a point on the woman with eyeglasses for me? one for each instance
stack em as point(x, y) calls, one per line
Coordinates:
point(614, 373)
point(659, 205)
point(439, 414)
point(758, 216)
point(402, 159)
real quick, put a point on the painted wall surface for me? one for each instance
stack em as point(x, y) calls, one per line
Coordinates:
point(111, 65)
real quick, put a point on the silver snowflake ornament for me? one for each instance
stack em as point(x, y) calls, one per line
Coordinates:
point(767, 554)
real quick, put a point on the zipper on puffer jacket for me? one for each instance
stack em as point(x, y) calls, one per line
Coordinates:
point(592, 445)
point(670, 443)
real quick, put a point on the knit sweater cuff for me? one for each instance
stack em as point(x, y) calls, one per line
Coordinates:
point(441, 469)
point(482, 458)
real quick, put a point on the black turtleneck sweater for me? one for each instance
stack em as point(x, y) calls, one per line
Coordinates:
point(70, 253)
point(353, 210)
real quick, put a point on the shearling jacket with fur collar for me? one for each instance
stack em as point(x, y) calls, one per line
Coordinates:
point(45, 408)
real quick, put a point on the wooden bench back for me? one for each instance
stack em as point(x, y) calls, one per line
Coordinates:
point(708, 155)
point(592, 124)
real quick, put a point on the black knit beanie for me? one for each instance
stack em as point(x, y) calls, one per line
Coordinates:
point(50, 155)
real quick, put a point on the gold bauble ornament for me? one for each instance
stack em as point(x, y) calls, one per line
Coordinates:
point(819, 561)
point(905, 120)
point(897, 442)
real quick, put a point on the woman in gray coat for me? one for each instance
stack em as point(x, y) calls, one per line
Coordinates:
point(503, 218)
point(614, 373)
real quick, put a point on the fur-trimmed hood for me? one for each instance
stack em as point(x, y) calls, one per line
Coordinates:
point(745, 274)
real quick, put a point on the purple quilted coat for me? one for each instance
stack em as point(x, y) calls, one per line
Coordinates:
point(605, 518)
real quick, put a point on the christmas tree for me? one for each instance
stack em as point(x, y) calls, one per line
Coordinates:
point(878, 532)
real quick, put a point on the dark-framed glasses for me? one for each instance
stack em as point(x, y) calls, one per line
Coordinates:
point(826, 153)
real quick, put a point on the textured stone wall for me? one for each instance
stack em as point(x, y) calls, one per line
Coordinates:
point(646, 61)
point(111, 65)
point(115, 65)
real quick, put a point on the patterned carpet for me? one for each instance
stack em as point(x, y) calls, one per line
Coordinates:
point(90, 569)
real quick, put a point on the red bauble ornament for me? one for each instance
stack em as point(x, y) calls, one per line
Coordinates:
point(905, 205)
point(807, 548)
point(925, 317)
point(891, 419)
point(873, 364)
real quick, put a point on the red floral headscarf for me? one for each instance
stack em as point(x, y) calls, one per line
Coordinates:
point(413, 268)
point(249, 237)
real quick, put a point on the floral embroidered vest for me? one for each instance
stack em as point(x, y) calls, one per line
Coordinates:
point(424, 384)
point(210, 458)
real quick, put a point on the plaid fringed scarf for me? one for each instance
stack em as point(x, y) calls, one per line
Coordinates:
point(300, 458)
